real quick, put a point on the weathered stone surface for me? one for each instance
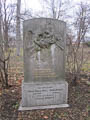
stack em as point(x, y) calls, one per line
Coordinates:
point(44, 49)
point(45, 93)
point(44, 63)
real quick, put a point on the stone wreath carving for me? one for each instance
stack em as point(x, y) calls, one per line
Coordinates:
point(44, 40)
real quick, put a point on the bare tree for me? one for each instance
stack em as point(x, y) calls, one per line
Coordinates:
point(6, 17)
point(55, 8)
point(76, 55)
point(0, 24)
point(1, 50)
point(1, 54)
point(18, 31)
point(8, 11)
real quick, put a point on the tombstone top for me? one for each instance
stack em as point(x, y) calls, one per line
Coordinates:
point(44, 49)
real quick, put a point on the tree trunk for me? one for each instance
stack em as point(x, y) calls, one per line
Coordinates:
point(0, 25)
point(1, 41)
point(1, 44)
point(5, 27)
point(18, 33)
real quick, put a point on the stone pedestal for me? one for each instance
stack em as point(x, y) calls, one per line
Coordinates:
point(44, 95)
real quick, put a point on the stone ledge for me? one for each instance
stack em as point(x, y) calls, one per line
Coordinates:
point(62, 81)
point(42, 107)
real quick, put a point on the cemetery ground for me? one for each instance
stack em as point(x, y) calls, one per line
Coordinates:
point(78, 98)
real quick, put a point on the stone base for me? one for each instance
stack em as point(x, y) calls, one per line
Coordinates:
point(42, 107)
point(44, 95)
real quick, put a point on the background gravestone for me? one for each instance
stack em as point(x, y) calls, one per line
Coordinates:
point(44, 84)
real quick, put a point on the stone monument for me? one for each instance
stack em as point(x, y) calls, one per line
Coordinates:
point(44, 84)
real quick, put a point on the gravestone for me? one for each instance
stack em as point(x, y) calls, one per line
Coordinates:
point(44, 84)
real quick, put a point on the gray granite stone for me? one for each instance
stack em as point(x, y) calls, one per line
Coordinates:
point(44, 64)
point(43, 107)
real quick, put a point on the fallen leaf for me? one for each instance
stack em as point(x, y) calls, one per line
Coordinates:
point(0, 93)
point(45, 117)
point(13, 91)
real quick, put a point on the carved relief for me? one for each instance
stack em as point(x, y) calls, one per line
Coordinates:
point(42, 41)
point(46, 39)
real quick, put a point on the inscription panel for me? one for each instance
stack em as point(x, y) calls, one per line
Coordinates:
point(44, 73)
point(44, 94)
